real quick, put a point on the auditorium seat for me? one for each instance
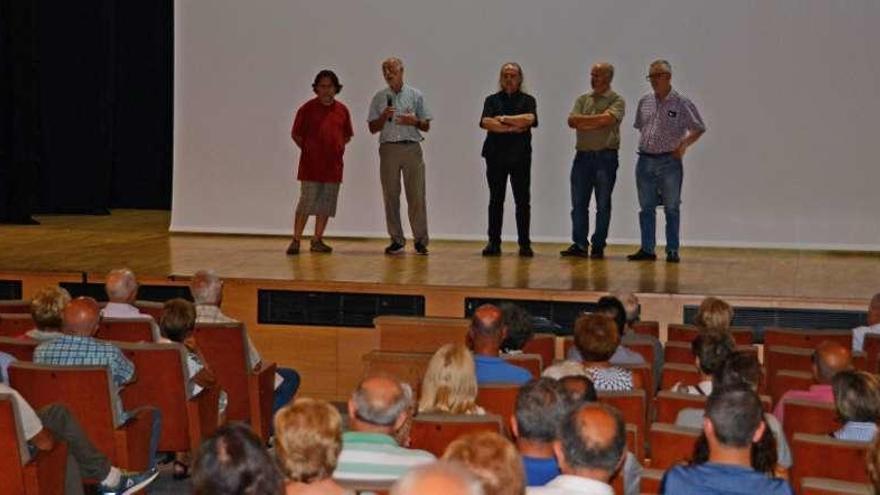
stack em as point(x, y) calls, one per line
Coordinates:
point(677, 352)
point(670, 403)
point(651, 328)
point(820, 456)
point(677, 332)
point(408, 367)
point(671, 445)
point(11, 306)
point(126, 330)
point(499, 399)
point(419, 334)
point(826, 486)
point(15, 324)
point(22, 349)
point(42, 474)
point(805, 337)
point(434, 432)
point(806, 416)
point(89, 393)
point(644, 349)
point(646, 372)
point(633, 407)
point(163, 381)
point(544, 345)
point(534, 363)
point(651, 479)
point(151, 308)
point(871, 347)
point(250, 392)
point(786, 380)
point(686, 374)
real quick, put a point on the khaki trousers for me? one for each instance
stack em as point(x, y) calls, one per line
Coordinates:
point(396, 160)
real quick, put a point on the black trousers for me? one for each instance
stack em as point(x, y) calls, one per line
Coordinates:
point(519, 169)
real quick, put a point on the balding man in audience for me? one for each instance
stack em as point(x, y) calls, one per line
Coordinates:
point(207, 291)
point(873, 326)
point(78, 347)
point(590, 449)
point(439, 478)
point(378, 410)
point(828, 359)
point(485, 336)
point(122, 288)
point(734, 422)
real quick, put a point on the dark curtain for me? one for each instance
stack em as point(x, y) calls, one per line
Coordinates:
point(87, 116)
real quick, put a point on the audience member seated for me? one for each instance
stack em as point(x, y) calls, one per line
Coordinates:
point(873, 325)
point(233, 462)
point(207, 291)
point(84, 461)
point(590, 449)
point(450, 382)
point(596, 338)
point(485, 336)
point(710, 349)
point(122, 288)
point(857, 397)
point(713, 315)
point(828, 359)
point(377, 410)
point(78, 347)
point(492, 459)
point(5, 361)
point(519, 327)
point(612, 308)
point(579, 388)
point(46, 307)
point(541, 406)
point(308, 440)
point(439, 478)
point(742, 368)
point(631, 307)
point(732, 425)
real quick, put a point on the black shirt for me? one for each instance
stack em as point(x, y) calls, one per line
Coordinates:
point(513, 145)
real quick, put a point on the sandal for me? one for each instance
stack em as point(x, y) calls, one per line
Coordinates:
point(180, 470)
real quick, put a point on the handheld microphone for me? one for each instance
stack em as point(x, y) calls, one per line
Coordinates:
point(388, 102)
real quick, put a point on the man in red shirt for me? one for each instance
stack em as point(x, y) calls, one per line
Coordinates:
point(321, 129)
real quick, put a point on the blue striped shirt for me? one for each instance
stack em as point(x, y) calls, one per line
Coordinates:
point(408, 100)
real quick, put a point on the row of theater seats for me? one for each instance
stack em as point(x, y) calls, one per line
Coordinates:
point(650, 415)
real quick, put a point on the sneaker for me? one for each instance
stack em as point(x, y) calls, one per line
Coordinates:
point(575, 250)
point(130, 482)
point(673, 257)
point(394, 248)
point(293, 248)
point(526, 252)
point(318, 246)
point(421, 249)
point(597, 254)
point(641, 255)
point(492, 249)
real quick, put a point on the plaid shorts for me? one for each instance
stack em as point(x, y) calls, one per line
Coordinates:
point(318, 198)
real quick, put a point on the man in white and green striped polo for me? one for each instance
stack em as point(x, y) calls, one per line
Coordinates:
point(377, 410)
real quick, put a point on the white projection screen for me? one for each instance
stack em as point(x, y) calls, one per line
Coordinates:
point(789, 90)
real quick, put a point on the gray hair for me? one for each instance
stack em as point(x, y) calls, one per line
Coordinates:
point(120, 283)
point(541, 405)
point(665, 65)
point(522, 77)
point(393, 61)
point(467, 483)
point(379, 413)
point(206, 287)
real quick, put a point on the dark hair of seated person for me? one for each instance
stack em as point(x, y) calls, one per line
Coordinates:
point(178, 319)
point(233, 461)
point(519, 326)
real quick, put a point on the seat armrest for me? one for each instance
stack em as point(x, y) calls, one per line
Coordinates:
point(203, 413)
point(261, 393)
point(132, 440)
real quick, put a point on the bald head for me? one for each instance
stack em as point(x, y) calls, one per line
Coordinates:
point(81, 317)
point(379, 403)
point(487, 330)
point(829, 359)
point(601, 75)
point(874, 310)
point(121, 286)
point(592, 442)
point(439, 478)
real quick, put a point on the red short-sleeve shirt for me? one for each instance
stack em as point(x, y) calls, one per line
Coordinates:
point(325, 129)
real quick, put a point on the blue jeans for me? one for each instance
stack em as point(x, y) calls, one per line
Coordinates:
point(658, 179)
point(592, 170)
point(285, 392)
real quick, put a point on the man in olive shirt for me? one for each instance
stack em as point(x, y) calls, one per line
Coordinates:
point(596, 117)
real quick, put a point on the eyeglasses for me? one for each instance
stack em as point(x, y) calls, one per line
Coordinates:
point(655, 76)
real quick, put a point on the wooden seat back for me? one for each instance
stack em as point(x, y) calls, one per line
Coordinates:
point(419, 334)
point(826, 486)
point(650, 482)
point(671, 445)
point(164, 382)
point(651, 328)
point(644, 348)
point(805, 337)
point(544, 345)
point(408, 367)
point(15, 324)
point(633, 407)
point(19, 472)
point(806, 416)
point(534, 363)
point(152, 308)
point(871, 347)
point(786, 380)
point(686, 374)
point(498, 399)
point(646, 372)
point(677, 332)
point(669, 404)
point(126, 330)
point(434, 432)
point(820, 456)
point(15, 306)
point(677, 352)
point(22, 349)
point(223, 345)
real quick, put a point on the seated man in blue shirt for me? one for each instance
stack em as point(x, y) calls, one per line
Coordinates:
point(486, 334)
point(734, 421)
point(541, 406)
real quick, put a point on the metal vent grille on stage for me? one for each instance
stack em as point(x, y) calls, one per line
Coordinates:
point(10, 289)
point(287, 307)
point(760, 318)
point(555, 317)
point(155, 293)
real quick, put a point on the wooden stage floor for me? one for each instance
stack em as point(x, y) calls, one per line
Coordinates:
point(140, 240)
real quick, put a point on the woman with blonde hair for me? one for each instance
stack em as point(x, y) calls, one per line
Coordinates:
point(714, 314)
point(308, 440)
point(450, 383)
point(492, 459)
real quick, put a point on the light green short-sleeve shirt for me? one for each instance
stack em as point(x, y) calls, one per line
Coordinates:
point(596, 104)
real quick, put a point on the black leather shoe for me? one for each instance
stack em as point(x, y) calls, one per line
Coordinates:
point(526, 252)
point(597, 254)
point(575, 250)
point(673, 257)
point(421, 249)
point(642, 256)
point(394, 248)
point(492, 249)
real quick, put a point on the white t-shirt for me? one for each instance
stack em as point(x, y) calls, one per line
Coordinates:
point(30, 423)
